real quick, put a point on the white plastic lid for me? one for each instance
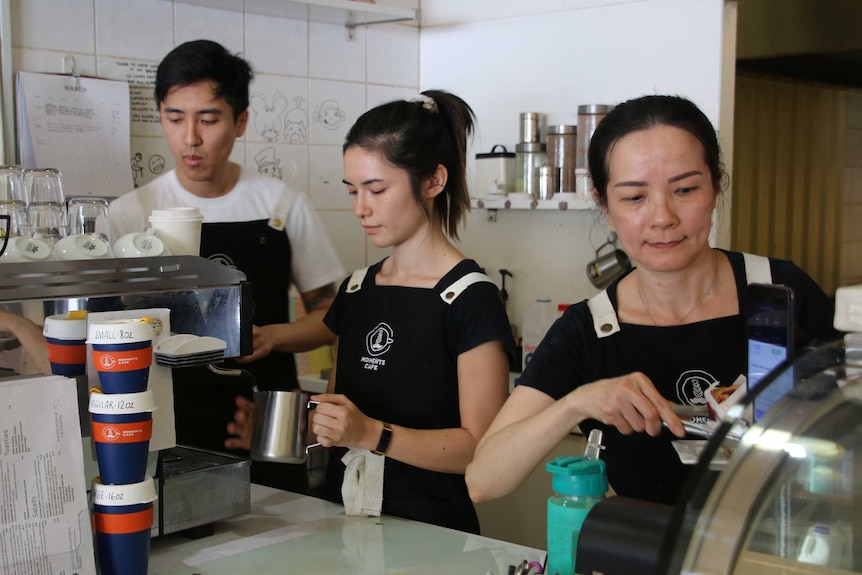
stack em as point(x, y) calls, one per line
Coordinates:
point(121, 331)
point(71, 325)
point(119, 403)
point(128, 494)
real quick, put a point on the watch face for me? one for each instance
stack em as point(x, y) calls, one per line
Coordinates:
point(383, 442)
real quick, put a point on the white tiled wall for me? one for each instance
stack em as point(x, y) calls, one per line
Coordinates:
point(311, 83)
point(505, 57)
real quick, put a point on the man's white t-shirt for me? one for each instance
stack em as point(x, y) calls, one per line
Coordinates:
point(314, 262)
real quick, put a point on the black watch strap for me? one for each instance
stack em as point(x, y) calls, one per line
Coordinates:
point(383, 442)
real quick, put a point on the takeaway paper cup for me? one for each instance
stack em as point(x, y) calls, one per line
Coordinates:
point(122, 425)
point(179, 228)
point(122, 354)
point(67, 349)
point(122, 519)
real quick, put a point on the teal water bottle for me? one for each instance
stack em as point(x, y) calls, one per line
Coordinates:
point(578, 484)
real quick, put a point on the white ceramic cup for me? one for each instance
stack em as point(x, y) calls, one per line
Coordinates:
point(22, 249)
point(83, 247)
point(179, 228)
point(140, 245)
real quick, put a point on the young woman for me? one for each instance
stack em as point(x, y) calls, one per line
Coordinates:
point(658, 336)
point(423, 338)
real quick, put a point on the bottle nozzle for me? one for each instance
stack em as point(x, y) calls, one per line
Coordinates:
point(594, 445)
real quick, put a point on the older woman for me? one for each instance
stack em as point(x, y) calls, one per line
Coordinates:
point(658, 336)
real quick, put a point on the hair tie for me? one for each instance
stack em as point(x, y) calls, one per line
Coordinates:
point(427, 102)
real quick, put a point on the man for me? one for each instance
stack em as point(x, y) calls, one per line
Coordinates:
point(253, 222)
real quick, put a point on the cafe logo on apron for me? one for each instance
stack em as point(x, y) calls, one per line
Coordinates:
point(692, 385)
point(377, 342)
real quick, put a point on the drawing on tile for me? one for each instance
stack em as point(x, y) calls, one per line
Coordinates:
point(329, 114)
point(268, 117)
point(156, 164)
point(296, 123)
point(268, 164)
point(137, 169)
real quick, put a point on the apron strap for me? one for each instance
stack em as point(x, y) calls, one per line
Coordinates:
point(356, 279)
point(605, 321)
point(757, 269)
point(278, 220)
point(448, 295)
point(452, 292)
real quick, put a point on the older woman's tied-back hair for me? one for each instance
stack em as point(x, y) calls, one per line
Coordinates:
point(416, 136)
point(642, 114)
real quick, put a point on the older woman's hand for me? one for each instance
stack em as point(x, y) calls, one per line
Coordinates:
point(630, 403)
point(241, 426)
point(29, 335)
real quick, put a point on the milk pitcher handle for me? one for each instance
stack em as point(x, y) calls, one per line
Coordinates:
point(309, 406)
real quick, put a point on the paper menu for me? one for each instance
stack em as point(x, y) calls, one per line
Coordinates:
point(78, 125)
point(44, 516)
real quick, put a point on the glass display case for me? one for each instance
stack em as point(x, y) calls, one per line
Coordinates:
point(788, 498)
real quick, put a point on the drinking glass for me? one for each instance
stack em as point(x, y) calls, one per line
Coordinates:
point(13, 200)
point(47, 205)
point(89, 215)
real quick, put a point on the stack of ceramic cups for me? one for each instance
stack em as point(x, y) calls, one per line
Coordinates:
point(122, 423)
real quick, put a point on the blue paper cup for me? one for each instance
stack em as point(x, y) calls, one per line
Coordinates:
point(122, 519)
point(66, 335)
point(122, 354)
point(122, 426)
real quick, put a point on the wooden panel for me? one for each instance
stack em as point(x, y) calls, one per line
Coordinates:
point(788, 173)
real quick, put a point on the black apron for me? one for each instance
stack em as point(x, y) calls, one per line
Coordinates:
point(262, 253)
point(204, 401)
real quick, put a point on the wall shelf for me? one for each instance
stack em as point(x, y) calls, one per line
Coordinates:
point(510, 203)
point(350, 13)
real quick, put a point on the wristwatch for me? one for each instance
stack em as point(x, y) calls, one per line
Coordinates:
point(383, 442)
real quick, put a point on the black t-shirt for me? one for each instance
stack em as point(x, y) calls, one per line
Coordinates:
point(681, 361)
point(398, 349)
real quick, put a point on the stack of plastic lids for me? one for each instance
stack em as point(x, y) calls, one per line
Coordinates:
point(185, 349)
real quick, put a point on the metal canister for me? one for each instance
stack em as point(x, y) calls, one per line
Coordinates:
point(589, 117)
point(562, 147)
point(532, 127)
point(549, 182)
point(528, 159)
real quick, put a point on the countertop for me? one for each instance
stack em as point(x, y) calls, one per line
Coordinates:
point(289, 533)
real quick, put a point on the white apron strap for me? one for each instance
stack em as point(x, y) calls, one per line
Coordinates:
point(278, 220)
point(605, 321)
point(452, 292)
point(757, 269)
point(356, 279)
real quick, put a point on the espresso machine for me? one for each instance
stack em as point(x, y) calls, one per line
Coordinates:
point(204, 298)
point(781, 495)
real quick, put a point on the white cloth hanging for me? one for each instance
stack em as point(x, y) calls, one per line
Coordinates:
point(362, 487)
